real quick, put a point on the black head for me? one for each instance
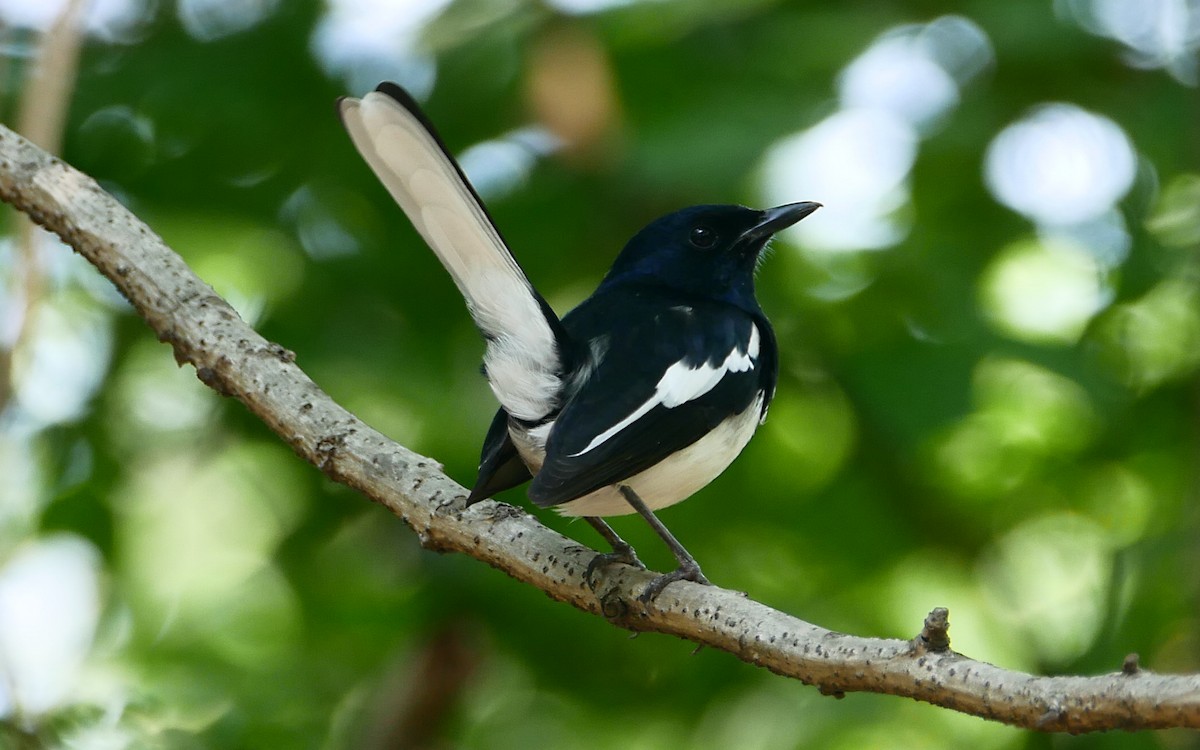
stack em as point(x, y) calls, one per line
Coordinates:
point(704, 250)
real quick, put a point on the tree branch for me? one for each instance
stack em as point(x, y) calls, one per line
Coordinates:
point(234, 360)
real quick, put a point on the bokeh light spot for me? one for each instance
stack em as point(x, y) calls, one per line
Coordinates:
point(322, 216)
point(915, 71)
point(1155, 339)
point(497, 167)
point(1176, 218)
point(49, 607)
point(1060, 165)
point(1034, 407)
point(197, 537)
point(65, 361)
point(813, 431)
point(1157, 33)
point(249, 264)
point(1049, 578)
point(110, 20)
point(368, 41)
point(151, 395)
point(897, 75)
point(1024, 415)
point(856, 162)
point(1120, 500)
point(1042, 292)
point(207, 20)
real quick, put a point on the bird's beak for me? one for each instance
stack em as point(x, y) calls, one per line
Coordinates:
point(781, 217)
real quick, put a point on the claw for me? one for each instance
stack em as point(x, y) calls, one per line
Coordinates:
point(682, 573)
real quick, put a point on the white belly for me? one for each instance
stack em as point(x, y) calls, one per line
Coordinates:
point(679, 475)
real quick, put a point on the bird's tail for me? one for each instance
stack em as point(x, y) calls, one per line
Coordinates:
point(526, 342)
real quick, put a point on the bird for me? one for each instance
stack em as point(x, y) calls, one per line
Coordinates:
point(639, 396)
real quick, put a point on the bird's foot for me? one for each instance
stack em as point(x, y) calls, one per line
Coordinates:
point(622, 553)
point(687, 571)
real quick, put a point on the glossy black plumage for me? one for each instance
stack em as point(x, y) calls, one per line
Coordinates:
point(640, 395)
point(645, 330)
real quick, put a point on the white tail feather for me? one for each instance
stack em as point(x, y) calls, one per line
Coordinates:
point(522, 359)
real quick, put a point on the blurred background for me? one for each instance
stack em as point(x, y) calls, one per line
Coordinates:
point(989, 394)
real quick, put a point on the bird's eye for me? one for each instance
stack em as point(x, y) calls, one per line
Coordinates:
point(703, 237)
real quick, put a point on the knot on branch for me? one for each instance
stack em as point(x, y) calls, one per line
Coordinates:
point(215, 380)
point(1131, 665)
point(205, 331)
point(832, 692)
point(934, 636)
point(326, 451)
point(613, 607)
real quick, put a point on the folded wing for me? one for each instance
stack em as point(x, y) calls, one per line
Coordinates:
point(661, 386)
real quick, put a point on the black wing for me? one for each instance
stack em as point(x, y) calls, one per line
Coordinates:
point(665, 377)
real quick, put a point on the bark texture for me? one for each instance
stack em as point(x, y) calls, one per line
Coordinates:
point(234, 360)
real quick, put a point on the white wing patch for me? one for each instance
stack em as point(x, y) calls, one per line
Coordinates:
point(682, 383)
point(522, 359)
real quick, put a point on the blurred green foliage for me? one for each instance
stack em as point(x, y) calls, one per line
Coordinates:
point(930, 445)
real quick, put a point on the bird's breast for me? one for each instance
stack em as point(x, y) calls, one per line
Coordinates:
point(679, 475)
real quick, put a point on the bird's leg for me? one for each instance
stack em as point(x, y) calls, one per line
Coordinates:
point(688, 570)
point(622, 551)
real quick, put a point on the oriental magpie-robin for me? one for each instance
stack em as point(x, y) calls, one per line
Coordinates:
point(638, 397)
